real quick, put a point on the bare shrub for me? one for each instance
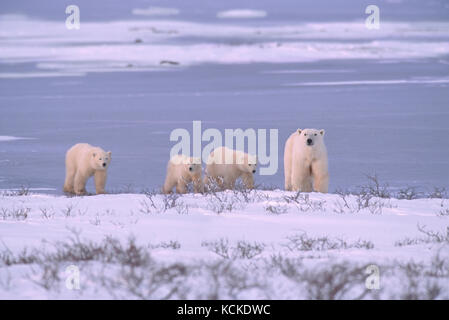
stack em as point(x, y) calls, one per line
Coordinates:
point(324, 282)
point(374, 188)
point(21, 191)
point(109, 250)
point(172, 244)
point(152, 281)
point(246, 195)
point(444, 212)
point(304, 203)
point(47, 275)
point(364, 200)
point(242, 250)
point(96, 221)
point(182, 208)
point(169, 201)
point(437, 193)
point(335, 282)
point(220, 202)
point(15, 213)
point(47, 213)
point(408, 193)
point(431, 237)
point(303, 242)
point(276, 209)
point(5, 280)
point(416, 282)
point(68, 211)
point(228, 281)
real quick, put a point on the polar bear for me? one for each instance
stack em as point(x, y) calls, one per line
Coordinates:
point(225, 166)
point(181, 170)
point(305, 159)
point(83, 161)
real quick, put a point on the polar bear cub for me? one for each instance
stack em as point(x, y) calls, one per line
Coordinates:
point(83, 161)
point(182, 170)
point(305, 161)
point(225, 166)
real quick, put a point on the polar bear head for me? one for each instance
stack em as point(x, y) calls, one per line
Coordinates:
point(194, 166)
point(100, 159)
point(311, 137)
point(247, 163)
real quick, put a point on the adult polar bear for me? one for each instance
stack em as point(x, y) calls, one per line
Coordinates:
point(305, 159)
point(83, 161)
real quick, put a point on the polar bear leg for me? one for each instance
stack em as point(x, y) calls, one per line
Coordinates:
point(288, 166)
point(168, 185)
point(100, 181)
point(198, 186)
point(228, 183)
point(248, 180)
point(320, 176)
point(181, 186)
point(80, 183)
point(301, 180)
point(69, 178)
point(321, 183)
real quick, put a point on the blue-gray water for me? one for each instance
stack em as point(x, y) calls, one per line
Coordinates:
point(399, 131)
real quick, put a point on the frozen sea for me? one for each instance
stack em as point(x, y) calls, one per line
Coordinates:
point(381, 95)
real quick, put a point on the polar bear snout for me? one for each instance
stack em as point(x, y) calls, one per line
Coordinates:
point(309, 142)
point(104, 164)
point(190, 169)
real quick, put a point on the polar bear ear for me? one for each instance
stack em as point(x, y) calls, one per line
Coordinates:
point(299, 131)
point(322, 132)
point(109, 153)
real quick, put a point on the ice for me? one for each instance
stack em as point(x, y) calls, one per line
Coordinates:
point(156, 11)
point(241, 14)
point(12, 138)
point(112, 46)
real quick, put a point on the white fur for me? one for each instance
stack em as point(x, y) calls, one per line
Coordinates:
point(225, 166)
point(306, 167)
point(82, 162)
point(181, 170)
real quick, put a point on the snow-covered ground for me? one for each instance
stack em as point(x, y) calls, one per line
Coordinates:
point(258, 244)
point(134, 72)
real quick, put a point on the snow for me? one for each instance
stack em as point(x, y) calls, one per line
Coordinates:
point(156, 11)
point(196, 220)
point(12, 138)
point(373, 82)
point(112, 46)
point(241, 14)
